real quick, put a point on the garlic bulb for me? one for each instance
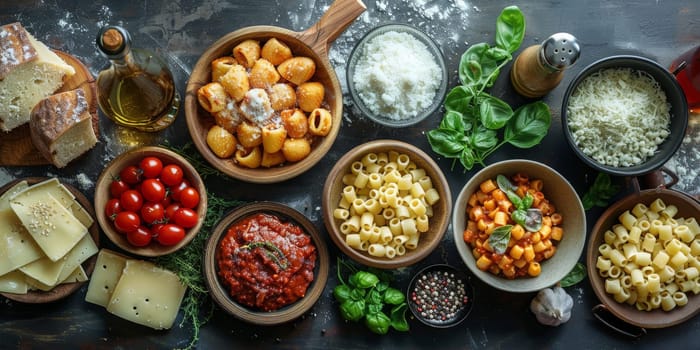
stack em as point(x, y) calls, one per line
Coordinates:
point(552, 306)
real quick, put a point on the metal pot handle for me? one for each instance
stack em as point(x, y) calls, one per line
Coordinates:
point(603, 314)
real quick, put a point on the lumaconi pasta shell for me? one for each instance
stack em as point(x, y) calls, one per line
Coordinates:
point(295, 150)
point(247, 52)
point(236, 82)
point(282, 96)
point(221, 66)
point(212, 97)
point(276, 51)
point(298, 70)
point(221, 142)
point(295, 122)
point(310, 95)
point(263, 74)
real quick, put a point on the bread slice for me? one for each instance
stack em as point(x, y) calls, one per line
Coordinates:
point(29, 72)
point(61, 127)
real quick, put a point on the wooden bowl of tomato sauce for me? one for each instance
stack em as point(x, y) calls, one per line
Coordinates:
point(265, 263)
point(178, 178)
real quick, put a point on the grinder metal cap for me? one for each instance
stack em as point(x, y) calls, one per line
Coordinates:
point(560, 51)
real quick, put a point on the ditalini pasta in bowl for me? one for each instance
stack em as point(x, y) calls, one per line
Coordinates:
point(519, 226)
point(643, 258)
point(386, 204)
point(263, 103)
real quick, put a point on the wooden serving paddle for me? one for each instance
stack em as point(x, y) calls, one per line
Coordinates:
point(16, 147)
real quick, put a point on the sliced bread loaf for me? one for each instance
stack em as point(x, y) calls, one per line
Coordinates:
point(29, 72)
point(61, 127)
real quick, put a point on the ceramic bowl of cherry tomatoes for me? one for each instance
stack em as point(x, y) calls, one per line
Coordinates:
point(150, 201)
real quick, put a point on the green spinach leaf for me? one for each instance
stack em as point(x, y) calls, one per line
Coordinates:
point(447, 142)
point(529, 125)
point(494, 112)
point(510, 29)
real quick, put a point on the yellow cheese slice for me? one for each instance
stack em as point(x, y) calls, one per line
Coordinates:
point(108, 269)
point(78, 275)
point(147, 295)
point(52, 226)
point(17, 247)
point(44, 270)
point(11, 192)
point(51, 186)
point(81, 214)
point(82, 251)
point(13, 282)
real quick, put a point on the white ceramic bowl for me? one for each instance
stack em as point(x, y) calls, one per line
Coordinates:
point(560, 193)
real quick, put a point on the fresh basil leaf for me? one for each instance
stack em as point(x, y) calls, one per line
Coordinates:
point(510, 29)
point(576, 275)
point(458, 99)
point(527, 201)
point(455, 121)
point(483, 138)
point(363, 279)
point(600, 192)
point(529, 125)
point(467, 158)
point(494, 112)
point(352, 310)
point(378, 322)
point(357, 294)
point(341, 292)
point(393, 296)
point(498, 54)
point(374, 297)
point(382, 285)
point(504, 183)
point(446, 142)
point(488, 67)
point(398, 317)
point(513, 198)
point(498, 240)
point(519, 216)
point(533, 223)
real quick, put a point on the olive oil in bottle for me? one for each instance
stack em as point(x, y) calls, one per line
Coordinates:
point(137, 89)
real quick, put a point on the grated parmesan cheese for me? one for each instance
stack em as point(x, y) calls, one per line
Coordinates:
point(619, 116)
point(396, 76)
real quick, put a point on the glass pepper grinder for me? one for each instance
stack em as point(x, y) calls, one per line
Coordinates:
point(540, 68)
point(137, 89)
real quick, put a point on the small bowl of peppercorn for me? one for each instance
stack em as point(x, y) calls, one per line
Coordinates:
point(440, 296)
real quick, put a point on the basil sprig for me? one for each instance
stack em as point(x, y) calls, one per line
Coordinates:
point(473, 118)
point(529, 218)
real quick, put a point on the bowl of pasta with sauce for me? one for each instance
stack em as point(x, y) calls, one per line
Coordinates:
point(642, 258)
point(265, 263)
point(519, 226)
point(263, 103)
point(386, 204)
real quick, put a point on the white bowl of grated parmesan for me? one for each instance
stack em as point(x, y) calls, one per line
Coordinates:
point(396, 75)
point(624, 115)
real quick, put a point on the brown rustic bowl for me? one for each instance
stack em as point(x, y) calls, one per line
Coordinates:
point(133, 157)
point(62, 290)
point(332, 191)
point(311, 43)
point(562, 195)
point(687, 207)
point(220, 293)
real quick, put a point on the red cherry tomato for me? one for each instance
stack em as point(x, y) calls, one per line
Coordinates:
point(152, 213)
point(139, 237)
point(185, 217)
point(131, 200)
point(112, 208)
point(171, 175)
point(189, 197)
point(117, 187)
point(127, 221)
point(155, 229)
point(152, 190)
point(130, 174)
point(171, 209)
point(151, 167)
point(170, 234)
point(176, 190)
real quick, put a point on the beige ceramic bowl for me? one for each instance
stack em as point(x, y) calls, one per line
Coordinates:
point(133, 157)
point(220, 293)
point(333, 188)
point(687, 207)
point(558, 190)
point(313, 43)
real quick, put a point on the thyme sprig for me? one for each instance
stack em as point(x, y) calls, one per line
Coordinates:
point(271, 250)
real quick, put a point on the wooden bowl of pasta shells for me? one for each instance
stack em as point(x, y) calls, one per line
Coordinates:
point(561, 196)
point(640, 250)
point(386, 204)
point(263, 103)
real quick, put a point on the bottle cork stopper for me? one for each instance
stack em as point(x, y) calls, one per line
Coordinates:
point(112, 39)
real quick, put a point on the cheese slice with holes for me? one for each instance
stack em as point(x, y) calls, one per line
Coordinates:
point(108, 270)
point(52, 226)
point(147, 295)
point(17, 247)
point(78, 275)
point(13, 282)
point(85, 248)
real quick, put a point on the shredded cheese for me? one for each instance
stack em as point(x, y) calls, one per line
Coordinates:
point(619, 116)
point(396, 76)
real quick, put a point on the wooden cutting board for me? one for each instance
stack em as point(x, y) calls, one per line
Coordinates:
point(16, 147)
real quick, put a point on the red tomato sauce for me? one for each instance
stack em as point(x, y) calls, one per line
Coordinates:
point(266, 263)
